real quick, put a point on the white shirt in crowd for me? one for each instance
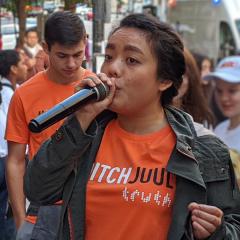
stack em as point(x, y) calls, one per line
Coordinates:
point(6, 94)
point(230, 137)
point(33, 50)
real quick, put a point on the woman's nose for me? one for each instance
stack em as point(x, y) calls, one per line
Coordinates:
point(113, 69)
point(224, 97)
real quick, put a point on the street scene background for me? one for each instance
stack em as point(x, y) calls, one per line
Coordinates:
point(207, 26)
point(207, 88)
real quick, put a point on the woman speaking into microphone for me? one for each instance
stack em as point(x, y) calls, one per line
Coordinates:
point(131, 166)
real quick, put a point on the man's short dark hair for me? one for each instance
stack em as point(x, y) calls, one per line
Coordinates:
point(8, 58)
point(32, 29)
point(167, 47)
point(65, 28)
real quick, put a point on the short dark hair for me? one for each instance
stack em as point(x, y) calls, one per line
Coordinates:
point(65, 28)
point(32, 29)
point(8, 58)
point(167, 47)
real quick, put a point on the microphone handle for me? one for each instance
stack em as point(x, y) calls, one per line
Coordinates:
point(62, 110)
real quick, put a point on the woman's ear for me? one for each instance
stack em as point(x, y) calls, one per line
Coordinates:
point(164, 85)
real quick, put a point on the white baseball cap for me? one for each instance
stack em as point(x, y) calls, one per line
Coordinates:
point(228, 69)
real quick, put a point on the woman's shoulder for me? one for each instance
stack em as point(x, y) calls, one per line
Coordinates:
point(222, 126)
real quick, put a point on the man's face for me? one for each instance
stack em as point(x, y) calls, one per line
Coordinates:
point(31, 39)
point(65, 61)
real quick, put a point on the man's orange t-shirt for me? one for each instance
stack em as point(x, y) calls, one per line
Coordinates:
point(130, 193)
point(31, 99)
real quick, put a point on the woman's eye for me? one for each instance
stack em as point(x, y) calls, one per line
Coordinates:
point(232, 91)
point(132, 60)
point(107, 57)
point(218, 91)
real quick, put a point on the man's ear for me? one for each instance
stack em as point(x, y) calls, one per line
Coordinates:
point(45, 47)
point(13, 69)
point(164, 85)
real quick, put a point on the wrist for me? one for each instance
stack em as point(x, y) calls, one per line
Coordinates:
point(85, 120)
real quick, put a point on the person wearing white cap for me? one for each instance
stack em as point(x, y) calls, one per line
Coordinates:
point(227, 92)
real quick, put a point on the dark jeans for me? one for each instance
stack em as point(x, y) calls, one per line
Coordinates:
point(7, 226)
point(3, 191)
point(8, 230)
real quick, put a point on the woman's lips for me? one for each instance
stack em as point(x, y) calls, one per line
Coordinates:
point(227, 108)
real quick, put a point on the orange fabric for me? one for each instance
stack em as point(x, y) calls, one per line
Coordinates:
point(31, 219)
point(130, 194)
point(25, 105)
point(32, 98)
point(60, 202)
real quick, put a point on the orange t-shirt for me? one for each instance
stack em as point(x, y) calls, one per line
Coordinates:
point(34, 97)
point(130, 194)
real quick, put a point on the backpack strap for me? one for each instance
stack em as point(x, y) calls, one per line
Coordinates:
point(7, 85)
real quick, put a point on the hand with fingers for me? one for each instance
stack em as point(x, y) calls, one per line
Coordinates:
point(205, 219)
point(88, 112)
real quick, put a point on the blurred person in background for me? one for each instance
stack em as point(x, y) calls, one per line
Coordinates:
point(42, 61)
point(65, 40)
point(205, 66)
point(35, 58)
point(227, 92)
point(87, 58)
point(12, 71)
point(1, 42)
point(190, 96)
point(31, 44)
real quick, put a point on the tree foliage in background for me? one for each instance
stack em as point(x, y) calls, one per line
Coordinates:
point(17, 7)
point(21, 14)
point(71, 4)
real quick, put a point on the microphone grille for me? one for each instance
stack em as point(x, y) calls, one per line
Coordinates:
point(102, 91)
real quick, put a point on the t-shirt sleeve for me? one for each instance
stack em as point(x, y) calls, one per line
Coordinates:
point(89, 73)
point(16, 129)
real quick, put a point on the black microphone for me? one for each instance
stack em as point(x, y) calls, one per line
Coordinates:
point(67, 107)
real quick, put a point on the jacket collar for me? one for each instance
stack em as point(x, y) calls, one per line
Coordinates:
point(183, 162)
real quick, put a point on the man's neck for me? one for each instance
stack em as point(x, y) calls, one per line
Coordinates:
point(12, 80)
point(57, 78)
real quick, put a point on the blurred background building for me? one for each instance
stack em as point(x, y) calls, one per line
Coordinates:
point(209, 26)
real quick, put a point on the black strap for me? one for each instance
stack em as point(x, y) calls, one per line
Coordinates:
point(8, 85)
point(33, 209)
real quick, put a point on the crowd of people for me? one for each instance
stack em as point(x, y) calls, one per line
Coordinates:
point(157, 158)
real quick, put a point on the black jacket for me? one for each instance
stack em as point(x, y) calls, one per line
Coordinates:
point(200, 161)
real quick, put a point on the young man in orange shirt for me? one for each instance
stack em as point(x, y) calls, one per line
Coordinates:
point(12, 72)
point(65, 40)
